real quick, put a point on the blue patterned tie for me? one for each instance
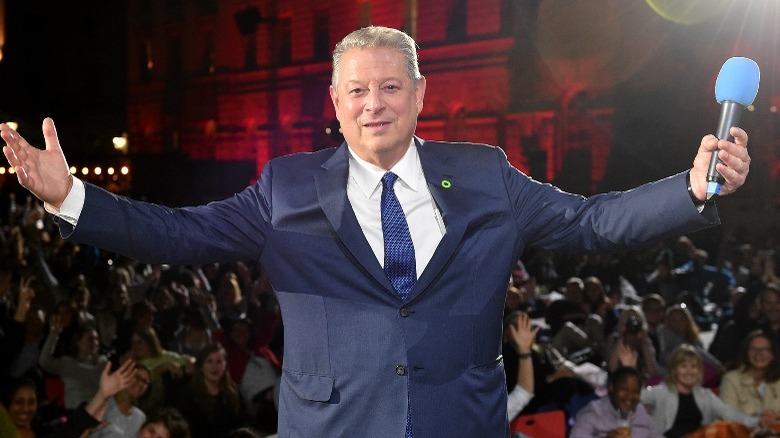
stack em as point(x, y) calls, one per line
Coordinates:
point(400, 266)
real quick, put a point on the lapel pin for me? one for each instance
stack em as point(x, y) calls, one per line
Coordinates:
point(446, 183)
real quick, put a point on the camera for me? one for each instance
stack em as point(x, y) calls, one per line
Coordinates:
point(633, 325)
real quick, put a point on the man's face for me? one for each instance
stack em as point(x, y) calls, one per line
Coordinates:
point(377, 104)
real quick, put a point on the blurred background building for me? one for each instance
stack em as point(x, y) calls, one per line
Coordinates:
point(590, 95)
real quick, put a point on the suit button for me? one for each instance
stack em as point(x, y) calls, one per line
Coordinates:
point(405, 311)
point(400, 370)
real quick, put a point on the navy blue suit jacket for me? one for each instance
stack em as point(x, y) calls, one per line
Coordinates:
point(354, 353)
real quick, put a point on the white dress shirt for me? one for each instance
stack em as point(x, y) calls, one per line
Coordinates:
point(364, 190)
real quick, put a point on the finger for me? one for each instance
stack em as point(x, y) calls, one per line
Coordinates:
point(740, 136)
point(50, 135)
point(128, 367)
point(107, 369)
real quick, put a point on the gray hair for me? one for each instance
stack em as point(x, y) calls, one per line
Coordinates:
point(378, 36)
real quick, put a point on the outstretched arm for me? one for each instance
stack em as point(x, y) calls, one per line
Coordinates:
point(735, 166)
point(43, 172)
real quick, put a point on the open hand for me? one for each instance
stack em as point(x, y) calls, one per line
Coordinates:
point(44, 172)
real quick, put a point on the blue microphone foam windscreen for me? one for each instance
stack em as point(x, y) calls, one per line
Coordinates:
point(737, 81)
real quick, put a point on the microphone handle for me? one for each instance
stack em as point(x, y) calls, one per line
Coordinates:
point(729, 116)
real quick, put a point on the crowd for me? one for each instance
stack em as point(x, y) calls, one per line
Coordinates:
point(618, 334)
point(667, 341)
point(205, 341)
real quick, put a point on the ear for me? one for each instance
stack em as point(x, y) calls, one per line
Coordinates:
point(419, 92)
point(335, 99)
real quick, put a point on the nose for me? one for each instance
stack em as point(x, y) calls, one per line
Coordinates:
point(374, 102)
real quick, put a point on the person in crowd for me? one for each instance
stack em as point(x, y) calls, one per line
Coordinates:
point(619, 414)
point(661, 281)
point(80, 298)
point(123, 419)
point(256, 371)
point(80, 370)
point(211, 402)
point(555, 383)
point(165, 422)
point(16, 326)
point(523, 337)
point(26, 361)
point(680, 405)
point(745, 318)
point(631, 335)
point(113, 316)
point(322, 243)
point(654, 309)
point(168, 368)
point(193, 334)
point(752, 386)
point(65, 314)
point(680, 328)
point(21, 404)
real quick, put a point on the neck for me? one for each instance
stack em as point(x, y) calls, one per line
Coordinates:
point(124, 401)
point(683, 389)
point(212, 387)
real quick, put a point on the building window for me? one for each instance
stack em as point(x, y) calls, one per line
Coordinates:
point(321, 35)
point(457, 29)
point(284, 54)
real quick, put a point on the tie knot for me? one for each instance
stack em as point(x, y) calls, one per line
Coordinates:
point(389, 179)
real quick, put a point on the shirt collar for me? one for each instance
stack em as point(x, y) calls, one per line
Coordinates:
point(368, 177)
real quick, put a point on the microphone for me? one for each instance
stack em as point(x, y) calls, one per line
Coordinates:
point(735, 88)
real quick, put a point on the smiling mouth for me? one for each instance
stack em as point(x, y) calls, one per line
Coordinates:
point(376, 124)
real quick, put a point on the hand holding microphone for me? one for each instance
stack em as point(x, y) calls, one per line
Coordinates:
point(735, 88)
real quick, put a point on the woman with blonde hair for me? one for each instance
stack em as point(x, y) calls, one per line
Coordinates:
point(680, 404)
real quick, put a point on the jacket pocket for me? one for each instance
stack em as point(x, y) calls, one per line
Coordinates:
point(309, 386)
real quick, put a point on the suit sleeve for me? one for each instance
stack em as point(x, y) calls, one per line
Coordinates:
point(550, 218)
point(222, 231)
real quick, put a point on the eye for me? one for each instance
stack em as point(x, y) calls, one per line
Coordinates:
point(392, 87)
point(356, 91)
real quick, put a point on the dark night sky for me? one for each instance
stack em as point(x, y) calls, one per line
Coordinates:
point(66, 60)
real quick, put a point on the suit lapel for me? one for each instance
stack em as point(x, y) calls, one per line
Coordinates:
point(331, 184)
point(437, 168)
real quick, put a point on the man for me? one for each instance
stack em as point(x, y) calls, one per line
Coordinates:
point(413, 348)
point(619, 414)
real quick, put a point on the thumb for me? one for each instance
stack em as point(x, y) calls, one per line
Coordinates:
point(107, 368)
point(50, 135)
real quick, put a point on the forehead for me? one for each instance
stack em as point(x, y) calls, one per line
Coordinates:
point(372, 63)
point(759, 340)
point(628, 381)
point(688, 362)
point(24, 393)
